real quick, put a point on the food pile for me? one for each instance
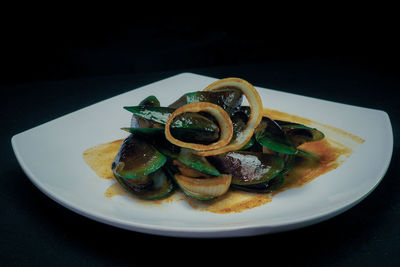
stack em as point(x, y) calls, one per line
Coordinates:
point(207, 142)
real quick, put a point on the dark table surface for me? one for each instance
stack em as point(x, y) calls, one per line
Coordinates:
point(37, 231)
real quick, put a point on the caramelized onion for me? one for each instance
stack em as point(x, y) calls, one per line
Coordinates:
point(204, 188)
point(223, 119)
point(256, 109)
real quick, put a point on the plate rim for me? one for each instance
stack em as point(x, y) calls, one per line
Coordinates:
point(195, 231)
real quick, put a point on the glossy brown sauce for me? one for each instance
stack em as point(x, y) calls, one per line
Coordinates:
point(332, 151)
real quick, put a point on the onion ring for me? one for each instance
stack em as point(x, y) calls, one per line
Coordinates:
point(256, 109)
point(222, 117)
point(204, 188)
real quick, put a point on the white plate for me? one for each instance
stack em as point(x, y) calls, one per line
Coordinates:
point(51, 156)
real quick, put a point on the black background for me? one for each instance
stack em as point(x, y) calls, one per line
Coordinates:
point(53, 66)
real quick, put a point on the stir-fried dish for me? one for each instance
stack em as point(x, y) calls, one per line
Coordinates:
point(207, 142)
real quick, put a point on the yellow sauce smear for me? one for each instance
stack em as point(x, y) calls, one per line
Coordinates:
point(332, 151)
point(100, 157)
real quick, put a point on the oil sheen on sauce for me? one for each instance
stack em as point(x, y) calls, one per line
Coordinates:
point(332, 151)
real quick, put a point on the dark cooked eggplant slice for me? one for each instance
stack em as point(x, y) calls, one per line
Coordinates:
point(137, 184)
point(187, 127)
point(201, 136)
point(270, 134)
point(185, 134)
point(136, 158)
point(139, 122)
point(239, 123)
point(150, 101)
point(228, 99)
point(159, 185)
point(266, 187)
point(155, 114)
point(300, 134)
point(196, 128)
point(243, 112)
point(239, 120)
point(199, 163)
point(248, 167)
point(170, 150)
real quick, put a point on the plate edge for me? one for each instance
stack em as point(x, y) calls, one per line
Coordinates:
point(14, 143)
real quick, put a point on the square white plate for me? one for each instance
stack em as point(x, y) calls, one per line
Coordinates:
point(51, 156)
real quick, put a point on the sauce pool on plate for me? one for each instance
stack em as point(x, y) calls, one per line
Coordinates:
point(332, 151)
